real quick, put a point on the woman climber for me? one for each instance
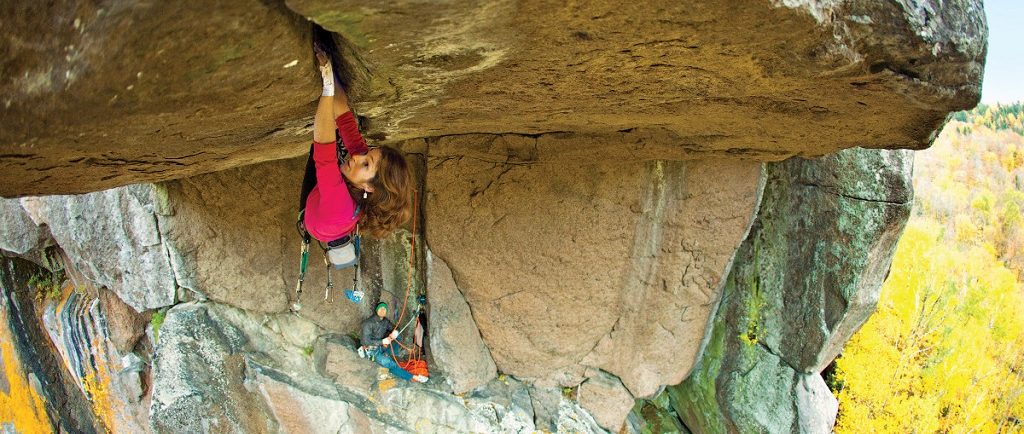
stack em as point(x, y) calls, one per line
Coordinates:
point(371, 191)
point(373, 188)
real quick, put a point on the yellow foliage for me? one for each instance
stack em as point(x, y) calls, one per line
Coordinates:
point(20, 404)
point(943, 353)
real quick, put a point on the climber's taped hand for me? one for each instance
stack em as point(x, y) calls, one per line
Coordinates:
point(386, 341)
point(394, 334)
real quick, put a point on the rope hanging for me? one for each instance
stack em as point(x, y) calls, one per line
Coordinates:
point(413, 363)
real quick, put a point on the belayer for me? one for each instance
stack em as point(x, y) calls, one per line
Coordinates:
point(370, 191)
point(378, 341)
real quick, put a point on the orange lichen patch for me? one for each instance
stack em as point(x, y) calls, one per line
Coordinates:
point(65, 291)
point(20, 405)
point(97, 387)
point(386, 384)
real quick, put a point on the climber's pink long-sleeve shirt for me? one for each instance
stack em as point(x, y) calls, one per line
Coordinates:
point(331, 211)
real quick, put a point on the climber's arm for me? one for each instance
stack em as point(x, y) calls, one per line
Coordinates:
point(323, 128)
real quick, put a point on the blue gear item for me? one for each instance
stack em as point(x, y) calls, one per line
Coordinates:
point(355, 296)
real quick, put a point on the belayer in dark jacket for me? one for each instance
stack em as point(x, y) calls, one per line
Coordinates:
point(378, 335)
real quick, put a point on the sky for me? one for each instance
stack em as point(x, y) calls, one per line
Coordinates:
point(1004, 68)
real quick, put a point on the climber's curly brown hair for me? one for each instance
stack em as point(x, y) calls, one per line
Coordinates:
point(390, 205)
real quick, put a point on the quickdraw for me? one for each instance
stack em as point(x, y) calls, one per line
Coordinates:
point(353, 294)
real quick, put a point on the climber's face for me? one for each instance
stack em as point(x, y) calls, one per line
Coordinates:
point(361, 169)
point(382, 311)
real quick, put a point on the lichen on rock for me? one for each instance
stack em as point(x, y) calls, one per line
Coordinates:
point(804, 280)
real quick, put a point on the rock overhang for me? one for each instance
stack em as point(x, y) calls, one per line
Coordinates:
point(585, 106)
point(143, 93)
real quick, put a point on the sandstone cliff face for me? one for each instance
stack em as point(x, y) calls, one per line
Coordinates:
point(121, 93)
point(569, 267)
point(596, 216)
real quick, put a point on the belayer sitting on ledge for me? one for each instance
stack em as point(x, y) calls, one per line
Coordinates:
point(378, 344)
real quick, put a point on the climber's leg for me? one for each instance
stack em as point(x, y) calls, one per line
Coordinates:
point(384, 359)
point(308, 180)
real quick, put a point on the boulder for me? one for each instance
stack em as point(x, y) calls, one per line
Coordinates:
point(113, 238)
point(455, 341)
point(235, 234)
point(297, 411)
point(817, 409)
point(198, 374)
point(506, 403)
point(860, 200)
point(546, 402)
point(614, 266)
point(604, 397)
point(338, 360)
point(18, 233)
point(803, 281)
point(432, 411)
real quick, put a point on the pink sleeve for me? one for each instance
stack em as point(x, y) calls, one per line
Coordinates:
point(335, 200)
point(350, 136)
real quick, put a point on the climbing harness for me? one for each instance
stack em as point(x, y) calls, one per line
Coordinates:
point(343, 253)
point(340, 253)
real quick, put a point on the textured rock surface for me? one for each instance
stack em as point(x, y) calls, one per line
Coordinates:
point(604, 397)
point(340, 361)
point(234, 232)
point(125, 326)
point(613, 265)
point(18, 233)
point(117, 94)
point(455, 341)
point(20, 330)
point(299, 412)
point(861, 200)
point(804, 280)
point(222, 369)
point(197, 377)
point(78, 326)
point(114, 239)
point(97, 103)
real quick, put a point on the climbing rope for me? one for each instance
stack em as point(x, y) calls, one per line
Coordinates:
point(416, 364)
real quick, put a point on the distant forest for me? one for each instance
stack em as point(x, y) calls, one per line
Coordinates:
point(944, 352)
point(996, 116)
